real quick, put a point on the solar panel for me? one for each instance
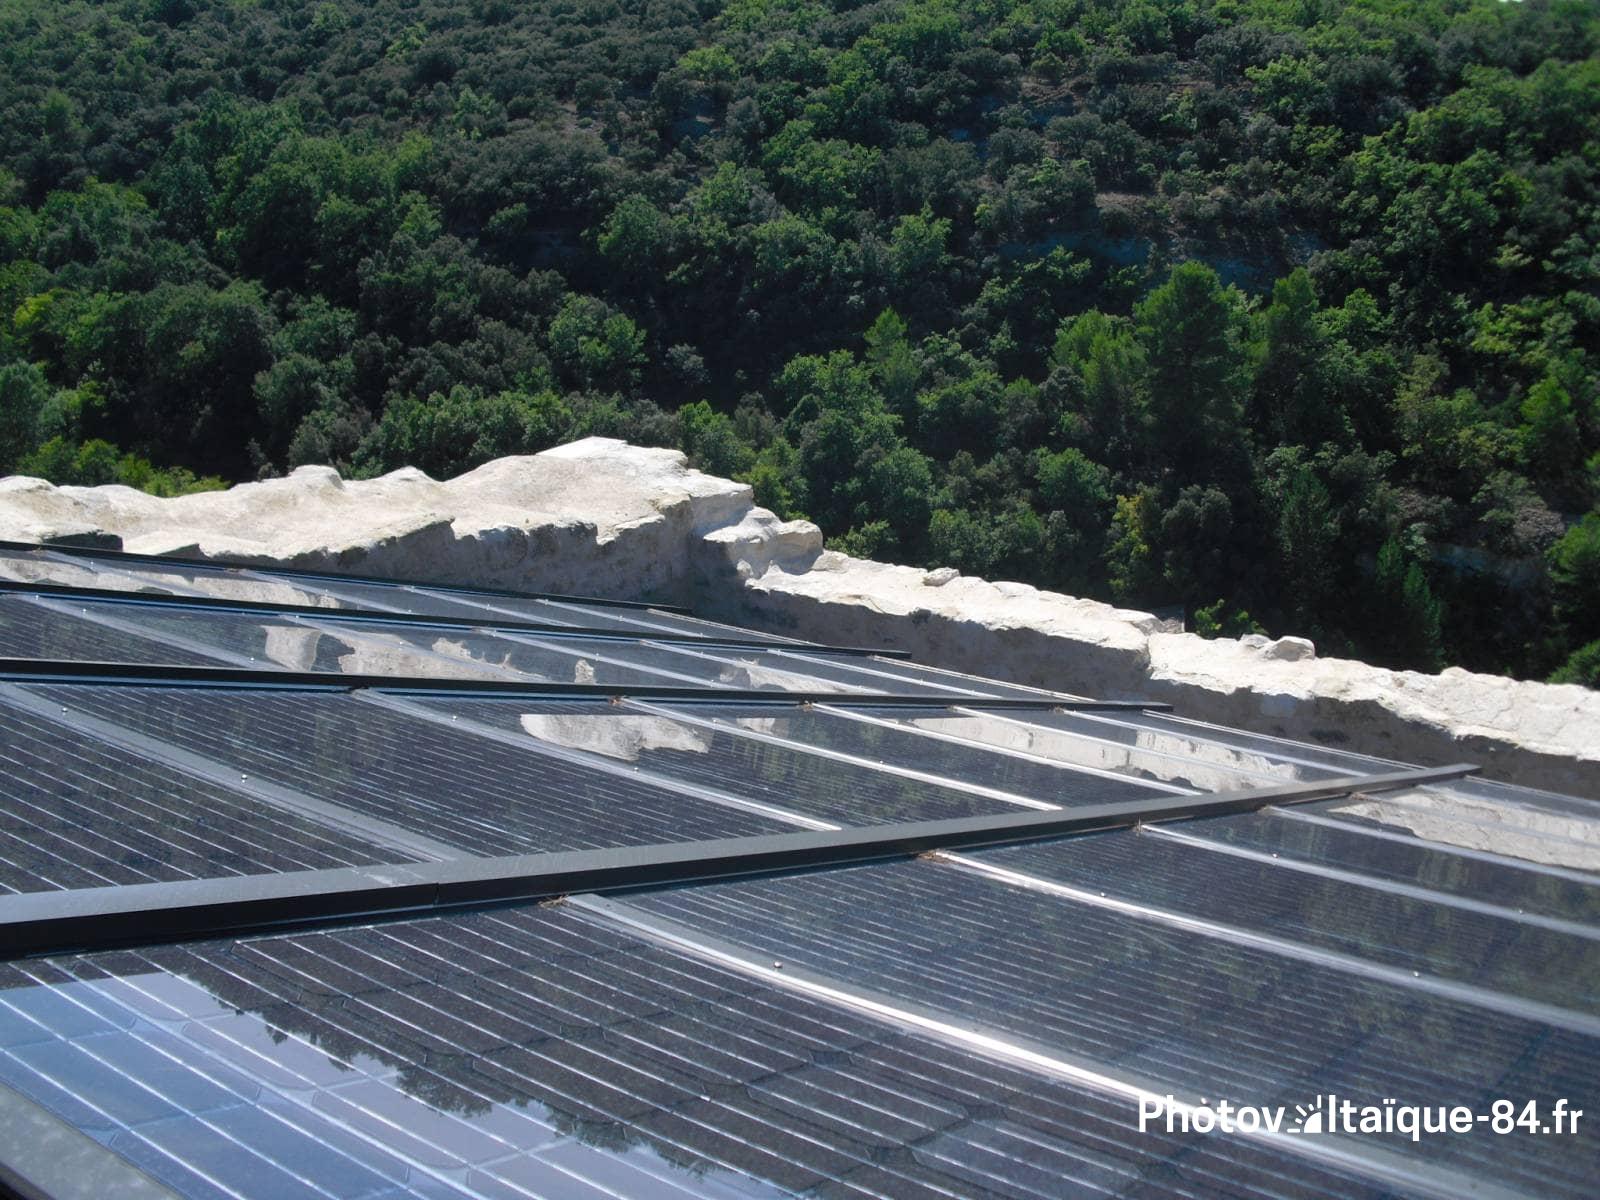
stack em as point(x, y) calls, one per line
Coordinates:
point(472, 793)
point(34, 567)
point(845, 947)
point(597, 616)
point(76, 812)
point(537, 1052)
point(1296, 837)
point(31, 630)
point(880, 735)
point(1203, 1013)
point(178, 580)
point(908, 678)
point(1129, 741)
point(1168, 871)
point(655, 619)
point(160, 633)
point(792, 777)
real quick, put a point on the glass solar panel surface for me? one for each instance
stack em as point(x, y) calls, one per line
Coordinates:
point(649, 620)
point(638, 621)
point(881, 736)
point(538, 1052)
point(788, 776)
point(970, 1023)
point(476, 794)
point(46, 631)
point(1165, 871)
point(215, 583)
point(1118, 742)
point(1306, 838)
point(97, 630)
point(21, 566)
point(77, 811)
point(1201, 1012)
point(296, 643)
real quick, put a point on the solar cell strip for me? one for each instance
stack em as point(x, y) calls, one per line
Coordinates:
point(264, 641)
point(683, 622)
point(148, 913)
point(78, 810)
point(590, 761)
point(553, 1049)
point(1206, 841)
point(445, 784)
point(643, 661)
point(1557, 1015)
point(1412, 840)
point(893, 760)
point(178, 649)
point(18, 567)
point(1081, 736)
point(207, 634)
point(367, 827)
point(462, 617)
point(1206, 1017)
point(1373, 1163)
point(804, 748)
point(829, 792)
point(31, 628)
point(1055, 770)
point(919, 676)
point(137, 675)
point(219, 564)
point(1447, 814)
point(546, 612)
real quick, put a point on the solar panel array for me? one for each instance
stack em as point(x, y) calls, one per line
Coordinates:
point(282, 915)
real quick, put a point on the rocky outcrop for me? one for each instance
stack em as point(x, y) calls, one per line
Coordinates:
point(600, 517)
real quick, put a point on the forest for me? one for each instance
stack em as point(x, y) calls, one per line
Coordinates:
point(1283, 315)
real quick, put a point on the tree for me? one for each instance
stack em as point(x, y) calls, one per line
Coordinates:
point(23, 394)
point(1552, 445)
point(597, 345)
point(1405, 625)
point(1194, 335)
point(712, 442)
point(1113, 377)
point(1583, 666)
point(1575, 576)
point(1307, 533)
point(634, 239)
point(1292, 395)
point(447, 434)
point(1132, 567)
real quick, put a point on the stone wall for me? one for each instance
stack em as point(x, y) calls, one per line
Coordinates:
point(600, 517)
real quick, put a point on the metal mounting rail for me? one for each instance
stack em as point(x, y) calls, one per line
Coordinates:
point(36, 923)
point(76, 592)
point(29, 670)
point(225, 564)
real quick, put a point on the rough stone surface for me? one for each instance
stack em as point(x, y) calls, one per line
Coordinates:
point(597, 517)
point(600, 517)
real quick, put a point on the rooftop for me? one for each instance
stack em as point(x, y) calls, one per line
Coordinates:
point(318, 885)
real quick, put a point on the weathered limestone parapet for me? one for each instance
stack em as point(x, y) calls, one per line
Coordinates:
point(600, 517)
point(597, 517)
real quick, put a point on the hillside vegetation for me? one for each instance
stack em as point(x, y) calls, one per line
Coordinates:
point(1286, 312)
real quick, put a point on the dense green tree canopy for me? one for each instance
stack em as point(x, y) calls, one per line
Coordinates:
point(1284, 315)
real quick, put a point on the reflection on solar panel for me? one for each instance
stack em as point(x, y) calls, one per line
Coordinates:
point(313, 886)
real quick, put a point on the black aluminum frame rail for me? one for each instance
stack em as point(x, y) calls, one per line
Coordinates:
point(29, 670)
point(227, 564)
point(35, 923)
point(356, 615)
